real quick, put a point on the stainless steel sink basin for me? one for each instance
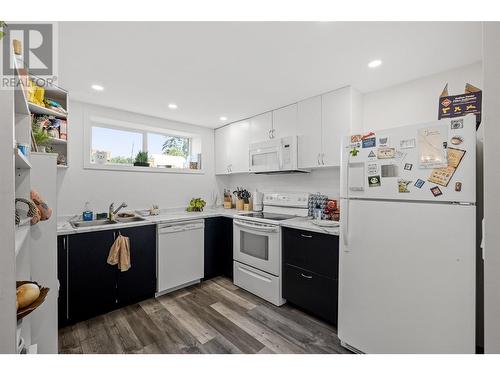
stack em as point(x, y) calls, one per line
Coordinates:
point(93, 223)
point(129, 219)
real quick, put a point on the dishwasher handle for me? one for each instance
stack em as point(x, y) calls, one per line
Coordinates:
point(180, 227)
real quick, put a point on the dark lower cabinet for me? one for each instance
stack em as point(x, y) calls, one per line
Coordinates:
point(218, 247)
point(310, 272)
point(139, 282)
point(91, 280)
point(90, 286)
point(313, 293)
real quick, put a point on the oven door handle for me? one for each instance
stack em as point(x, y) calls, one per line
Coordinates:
point(259, 228)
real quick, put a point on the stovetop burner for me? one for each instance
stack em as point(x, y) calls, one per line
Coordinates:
point(269, 216)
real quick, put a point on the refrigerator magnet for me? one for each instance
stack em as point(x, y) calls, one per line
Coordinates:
point(458, 186)
point(385, 153)
point(456, 140)
point(419, 183)
point(356, 138)
point(407, 143)
point(369, 142)
point(372, 169)
point(372, 155)
point(389, 170)
point(374, 181)
point(408, 166)
point(354, 151)
point(403, 186)
point(457, 124)
point(436, 191)
point(383, 141)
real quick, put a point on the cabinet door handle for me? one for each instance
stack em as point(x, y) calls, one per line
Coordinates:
point(323, 159)
point(319, 163)
point(272, 132)
point(306, 276)
point(269, 133)
point(306, 235)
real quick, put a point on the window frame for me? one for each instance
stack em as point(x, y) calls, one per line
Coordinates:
point(102, 122)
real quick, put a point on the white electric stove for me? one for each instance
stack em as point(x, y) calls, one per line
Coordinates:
point(257, 244)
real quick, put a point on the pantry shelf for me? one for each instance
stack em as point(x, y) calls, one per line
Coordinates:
point(39, 110)
point(22, 234)
point(22, 161)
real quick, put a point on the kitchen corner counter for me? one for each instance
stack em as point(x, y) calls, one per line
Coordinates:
point(305, 223)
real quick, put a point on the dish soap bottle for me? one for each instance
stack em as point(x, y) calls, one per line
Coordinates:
point(317, 213)
point(87, 214)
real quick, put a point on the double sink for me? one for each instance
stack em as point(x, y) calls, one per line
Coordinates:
point(95, 223)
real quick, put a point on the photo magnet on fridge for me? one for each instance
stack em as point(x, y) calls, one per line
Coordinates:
point(369, 142)
point(408, 167)
point(419, 183)
point(436, 191)
point(374, 181)
point(458, 186)
point(389, 170)
point(356, 138)
point(403, 186)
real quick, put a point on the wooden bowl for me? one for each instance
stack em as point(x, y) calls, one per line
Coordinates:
point(21, 313)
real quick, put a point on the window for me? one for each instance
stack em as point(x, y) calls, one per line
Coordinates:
point(112, 146)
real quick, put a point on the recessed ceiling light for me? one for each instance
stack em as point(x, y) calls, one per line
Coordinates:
point(374, 63)
point(97, 87)
point(172, 106)
point(223, 118)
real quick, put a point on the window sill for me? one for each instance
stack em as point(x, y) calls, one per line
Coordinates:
point(127, 168)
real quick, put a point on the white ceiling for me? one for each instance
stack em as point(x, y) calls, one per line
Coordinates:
point(239, 69)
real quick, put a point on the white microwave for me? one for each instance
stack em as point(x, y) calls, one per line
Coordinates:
point(274, 156)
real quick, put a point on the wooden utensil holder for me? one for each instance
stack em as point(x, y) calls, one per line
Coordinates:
point(240, 204)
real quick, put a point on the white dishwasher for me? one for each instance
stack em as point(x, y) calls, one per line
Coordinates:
point(180, 254)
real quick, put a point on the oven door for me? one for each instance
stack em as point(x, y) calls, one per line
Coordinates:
point(265, 157)
point(257, 245)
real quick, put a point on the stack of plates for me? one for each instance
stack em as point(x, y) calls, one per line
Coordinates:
point(326, 223)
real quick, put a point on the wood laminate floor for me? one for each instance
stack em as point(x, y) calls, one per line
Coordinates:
point(213, 317)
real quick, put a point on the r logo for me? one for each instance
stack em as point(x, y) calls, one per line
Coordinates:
point(37, 48)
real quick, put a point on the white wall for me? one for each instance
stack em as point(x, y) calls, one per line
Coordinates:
point(415, 101)
point(139, 189)
point(404, 104)
point(325, 181)
point(491, 95)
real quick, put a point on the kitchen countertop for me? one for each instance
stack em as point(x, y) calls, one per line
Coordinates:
point(166, 216)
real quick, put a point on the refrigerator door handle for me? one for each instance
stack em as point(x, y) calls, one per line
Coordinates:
point(345, 226)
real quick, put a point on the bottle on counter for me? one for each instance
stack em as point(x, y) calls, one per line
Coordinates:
point(87, 214)
point(317, 213)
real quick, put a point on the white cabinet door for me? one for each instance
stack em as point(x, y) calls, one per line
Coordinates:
point(222, 150)
point(309, 132)
point(285, 121)
point(238, 140)
point(261, 127)
point(337, 116)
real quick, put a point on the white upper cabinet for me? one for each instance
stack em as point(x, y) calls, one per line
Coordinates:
point(222, 150)
point(336, 123)
point(261, 127)
point(284, 122)
point(309, 132)
point(239, 135)
point(231, 148)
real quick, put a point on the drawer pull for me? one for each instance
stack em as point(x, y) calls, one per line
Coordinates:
point(306, 276)
point(306, 235)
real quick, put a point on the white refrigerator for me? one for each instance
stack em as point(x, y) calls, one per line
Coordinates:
point(407, 243)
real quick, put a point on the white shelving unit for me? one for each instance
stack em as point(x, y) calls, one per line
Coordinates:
point(18, 241)
point(60, 146)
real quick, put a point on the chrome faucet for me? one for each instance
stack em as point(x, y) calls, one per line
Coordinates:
point(112, 212)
